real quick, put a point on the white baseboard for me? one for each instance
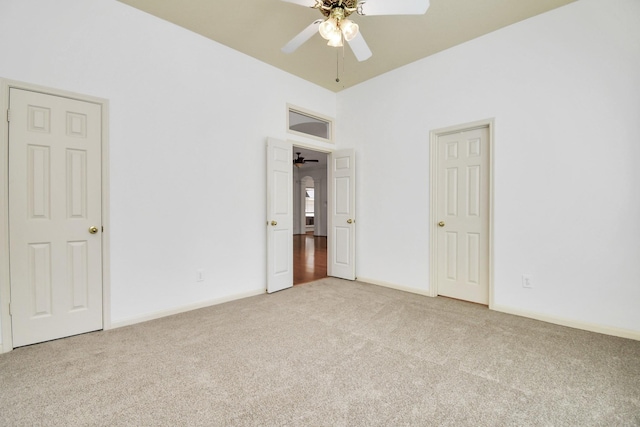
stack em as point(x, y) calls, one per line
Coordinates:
point(177, 310)
point(394, 286)
point(591, 327)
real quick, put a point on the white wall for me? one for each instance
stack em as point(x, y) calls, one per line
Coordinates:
point(188, 125)
point(564, 89)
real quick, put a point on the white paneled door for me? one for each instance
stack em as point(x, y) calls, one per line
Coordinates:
point(279, 215)
point(342, 216)
point(463, 215)
point(55, 208)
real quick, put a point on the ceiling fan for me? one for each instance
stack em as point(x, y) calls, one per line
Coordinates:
point(299, 161)
point(335, 27)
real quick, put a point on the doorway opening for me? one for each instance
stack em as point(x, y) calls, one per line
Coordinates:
point(309, 216)
point(340, 190)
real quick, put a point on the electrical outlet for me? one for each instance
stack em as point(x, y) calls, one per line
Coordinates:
point(527, 281)
point(200, 275)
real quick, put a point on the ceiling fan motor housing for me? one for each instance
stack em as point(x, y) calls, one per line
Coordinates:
point(298, 161)
point(332, 8)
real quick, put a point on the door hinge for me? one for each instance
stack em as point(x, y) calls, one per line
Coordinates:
point(10, 313)
point(8, 115)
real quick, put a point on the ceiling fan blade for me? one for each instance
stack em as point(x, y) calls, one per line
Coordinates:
point(301, 38)
point(307, 161)
point(307, 3)
point(396, 7)
point(360, 48)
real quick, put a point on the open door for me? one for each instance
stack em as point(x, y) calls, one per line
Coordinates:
point(279, 215)
point(341, 250)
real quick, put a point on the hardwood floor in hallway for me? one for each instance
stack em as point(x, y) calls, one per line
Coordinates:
point(309, 258)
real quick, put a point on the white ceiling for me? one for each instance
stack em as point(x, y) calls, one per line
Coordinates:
point(259, 28)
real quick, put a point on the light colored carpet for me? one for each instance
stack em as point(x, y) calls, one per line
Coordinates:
point(329, 353)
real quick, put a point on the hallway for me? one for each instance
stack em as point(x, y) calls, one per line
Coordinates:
point(309, 258)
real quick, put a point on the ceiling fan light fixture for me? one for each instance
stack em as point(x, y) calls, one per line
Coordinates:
point(335, 14)
point(335, 40)
point(328, 28)
point(349, 29)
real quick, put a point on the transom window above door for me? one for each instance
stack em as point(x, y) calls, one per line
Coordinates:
point(306, 123)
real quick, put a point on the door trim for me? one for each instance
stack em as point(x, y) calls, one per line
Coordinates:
point(433, 196)
point(5, 280)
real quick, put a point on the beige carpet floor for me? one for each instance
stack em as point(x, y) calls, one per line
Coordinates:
point(329, 353)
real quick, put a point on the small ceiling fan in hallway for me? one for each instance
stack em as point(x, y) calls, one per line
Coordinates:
point(336, 27)
point(299, 161)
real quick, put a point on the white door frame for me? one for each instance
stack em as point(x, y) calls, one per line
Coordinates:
point(433, 205)
point(5, 280)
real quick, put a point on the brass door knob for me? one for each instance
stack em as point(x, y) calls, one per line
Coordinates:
point(274, 223)
point(441, 224)
point(93, 229)
point(349, 221)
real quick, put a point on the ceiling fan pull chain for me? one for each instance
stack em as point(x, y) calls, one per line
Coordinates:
point(337, 66)
point(343, 59)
